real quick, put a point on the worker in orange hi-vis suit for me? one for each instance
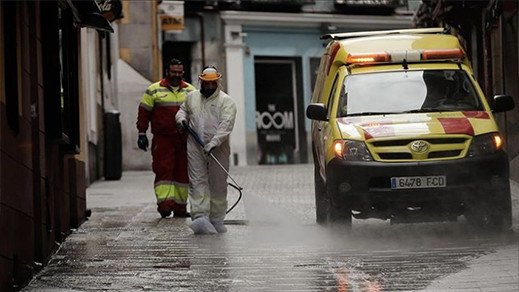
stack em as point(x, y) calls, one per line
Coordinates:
point(158, 106)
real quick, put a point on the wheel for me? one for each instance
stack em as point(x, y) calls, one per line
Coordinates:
point(339, 207)
point(320, 200)
point(494, 212)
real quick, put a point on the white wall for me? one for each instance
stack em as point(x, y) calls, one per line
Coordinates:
point(131, 86)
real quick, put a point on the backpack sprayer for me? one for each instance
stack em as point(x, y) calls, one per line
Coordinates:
point(201, 143)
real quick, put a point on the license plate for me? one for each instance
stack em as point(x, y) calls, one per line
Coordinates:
point(418, 182)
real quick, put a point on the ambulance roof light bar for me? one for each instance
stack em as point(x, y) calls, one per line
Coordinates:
point(442, 54)
point(405, 56)
point(368, 58)
point(347, 35)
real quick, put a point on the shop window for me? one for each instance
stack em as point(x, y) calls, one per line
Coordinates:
point(60, 66)
point(69, 80)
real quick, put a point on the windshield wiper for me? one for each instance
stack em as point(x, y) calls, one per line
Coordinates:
point(443, 109)
point(423, 110)
point(370, 114)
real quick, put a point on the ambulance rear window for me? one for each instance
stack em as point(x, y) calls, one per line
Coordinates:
point(408, 91)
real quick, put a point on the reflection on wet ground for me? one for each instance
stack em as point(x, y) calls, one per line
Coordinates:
point(121, 252)
point(280, 248)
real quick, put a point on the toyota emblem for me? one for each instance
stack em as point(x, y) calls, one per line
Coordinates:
point(419, 146)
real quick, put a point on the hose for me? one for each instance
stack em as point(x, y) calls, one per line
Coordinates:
point(201, 143)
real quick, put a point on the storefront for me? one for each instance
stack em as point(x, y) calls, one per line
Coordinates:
point(271, 60)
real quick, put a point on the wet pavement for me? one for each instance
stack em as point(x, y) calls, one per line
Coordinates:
point(273, 244)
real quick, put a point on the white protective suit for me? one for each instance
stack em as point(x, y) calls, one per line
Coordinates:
point(213, 119)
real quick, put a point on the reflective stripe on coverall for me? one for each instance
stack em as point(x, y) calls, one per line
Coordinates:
point(213, 119)
point(159, 105)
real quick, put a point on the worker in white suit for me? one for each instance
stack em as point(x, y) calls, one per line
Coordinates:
point(211, 113)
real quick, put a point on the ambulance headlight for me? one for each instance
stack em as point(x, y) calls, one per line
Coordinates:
point(485, 144)
point(351, 150)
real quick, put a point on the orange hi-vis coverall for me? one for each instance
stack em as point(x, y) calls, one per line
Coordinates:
point(159, 105)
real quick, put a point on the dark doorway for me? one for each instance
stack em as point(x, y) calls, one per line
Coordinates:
point(181, 51)
point(279, 111)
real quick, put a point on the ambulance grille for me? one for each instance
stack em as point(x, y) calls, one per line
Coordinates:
point(443, 154)
point(441, 148)
point(407, 141)
point(395, 156)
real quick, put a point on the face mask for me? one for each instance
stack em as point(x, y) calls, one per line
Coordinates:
point(207, 92)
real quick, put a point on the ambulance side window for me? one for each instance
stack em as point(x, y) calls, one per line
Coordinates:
point(342, 109)
point(332, 95)
point(319, 79)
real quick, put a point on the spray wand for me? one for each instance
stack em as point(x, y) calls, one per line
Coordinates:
point(201, 143)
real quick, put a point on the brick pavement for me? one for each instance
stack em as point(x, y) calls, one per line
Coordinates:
point(126, 246)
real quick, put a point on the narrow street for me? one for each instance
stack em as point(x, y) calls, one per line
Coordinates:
point(273, 244)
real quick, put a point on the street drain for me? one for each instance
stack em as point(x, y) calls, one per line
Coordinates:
point(236, 222)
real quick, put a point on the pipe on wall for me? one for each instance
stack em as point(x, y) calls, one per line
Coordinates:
point(201, 19)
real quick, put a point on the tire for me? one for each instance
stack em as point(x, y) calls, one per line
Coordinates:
point(494, 212)
point(500, 215)
point(321, 203)
point(339, 209)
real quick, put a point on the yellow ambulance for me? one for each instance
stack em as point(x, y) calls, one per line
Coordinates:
point(401, 130)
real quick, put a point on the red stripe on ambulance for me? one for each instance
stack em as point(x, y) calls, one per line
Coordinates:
point(477, 114)
point(456, 126)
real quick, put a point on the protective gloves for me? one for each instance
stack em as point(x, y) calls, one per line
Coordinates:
point(208, 148)
point(142, 142)
point(181, 123)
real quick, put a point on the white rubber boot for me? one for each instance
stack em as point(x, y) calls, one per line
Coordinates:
point(202, 225)
point(218, 225)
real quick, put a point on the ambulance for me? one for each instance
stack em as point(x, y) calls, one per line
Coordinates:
point(402, 131)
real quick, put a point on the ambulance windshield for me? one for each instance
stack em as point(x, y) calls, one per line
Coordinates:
point(408, 92)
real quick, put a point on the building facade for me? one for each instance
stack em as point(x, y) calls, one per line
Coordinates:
point(270, 64)
point(55, 82)
point(489, 30)
point(268, 52)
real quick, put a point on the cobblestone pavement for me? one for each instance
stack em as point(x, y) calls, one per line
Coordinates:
point(273, 244)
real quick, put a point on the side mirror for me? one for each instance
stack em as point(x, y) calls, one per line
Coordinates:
point(502, 103)
point(316, 111)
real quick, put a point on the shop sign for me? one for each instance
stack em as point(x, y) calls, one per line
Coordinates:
point(172, 17)
point(276, 132)
point(111, 9)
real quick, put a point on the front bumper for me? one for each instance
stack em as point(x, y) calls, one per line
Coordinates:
point(364, 184)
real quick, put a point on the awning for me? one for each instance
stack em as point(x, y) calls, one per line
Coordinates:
point(111, 9)
point(88, 14)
